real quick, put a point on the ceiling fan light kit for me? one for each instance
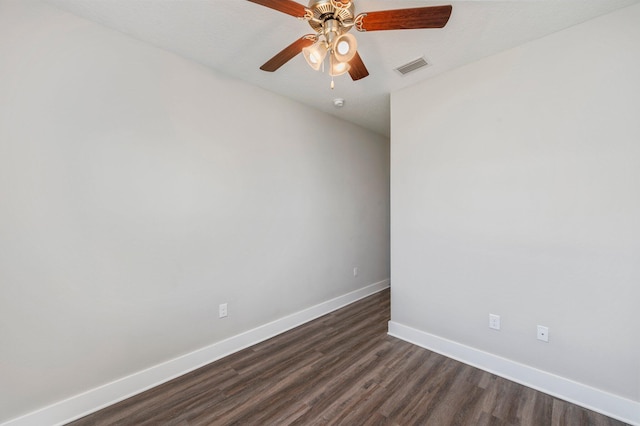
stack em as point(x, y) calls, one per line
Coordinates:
point(332, 20)
point(328, 18)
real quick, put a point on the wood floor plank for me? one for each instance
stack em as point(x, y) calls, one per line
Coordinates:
point(343, 369)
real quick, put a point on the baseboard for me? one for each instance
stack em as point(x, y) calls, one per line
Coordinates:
point(591, 398)
point(93, 400)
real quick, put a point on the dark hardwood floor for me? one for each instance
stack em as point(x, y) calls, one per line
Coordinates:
point(342, 369)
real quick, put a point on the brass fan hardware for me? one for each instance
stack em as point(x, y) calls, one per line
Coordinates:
point(331, 20)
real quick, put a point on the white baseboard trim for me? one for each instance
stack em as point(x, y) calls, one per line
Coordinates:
point(588, 397)
point(93, 400)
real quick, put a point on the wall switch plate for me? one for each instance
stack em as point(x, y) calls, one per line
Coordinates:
point(222, 310)
point(355, 271)
point(494, 321)
point(543, 333)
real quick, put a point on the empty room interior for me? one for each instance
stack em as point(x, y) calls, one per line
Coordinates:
point(461, 200)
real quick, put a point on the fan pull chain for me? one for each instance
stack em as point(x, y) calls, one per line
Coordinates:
point(331, 67)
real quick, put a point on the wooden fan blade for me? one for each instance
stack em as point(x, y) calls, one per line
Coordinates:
point(404, 19)
point(289, 52)
point(285, 6)
point(357, 70)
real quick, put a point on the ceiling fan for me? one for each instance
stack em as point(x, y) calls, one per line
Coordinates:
point(331, 20)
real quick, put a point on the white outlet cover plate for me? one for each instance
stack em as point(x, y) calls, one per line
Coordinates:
point(494, 321)
point(543, 333)
point(222, 310)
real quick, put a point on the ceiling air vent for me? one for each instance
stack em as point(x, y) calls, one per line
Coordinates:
point(412, 66)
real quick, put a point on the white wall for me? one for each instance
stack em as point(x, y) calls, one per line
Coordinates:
point(515, 190)
point(139, 190)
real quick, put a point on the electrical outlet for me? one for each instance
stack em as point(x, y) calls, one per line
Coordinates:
point(222, 310)
point(543, 333)
point(494, 321)
point(355, 271)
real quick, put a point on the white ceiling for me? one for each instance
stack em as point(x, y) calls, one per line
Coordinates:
point(235, 37)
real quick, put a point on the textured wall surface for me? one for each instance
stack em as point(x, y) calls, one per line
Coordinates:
point(139, 190)
point(515, 190)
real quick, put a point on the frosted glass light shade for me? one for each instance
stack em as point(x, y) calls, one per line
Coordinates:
point(315, 54)
point(338, 68)
point(345, 47)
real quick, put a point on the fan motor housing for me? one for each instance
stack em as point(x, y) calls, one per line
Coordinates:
point(339, 10)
